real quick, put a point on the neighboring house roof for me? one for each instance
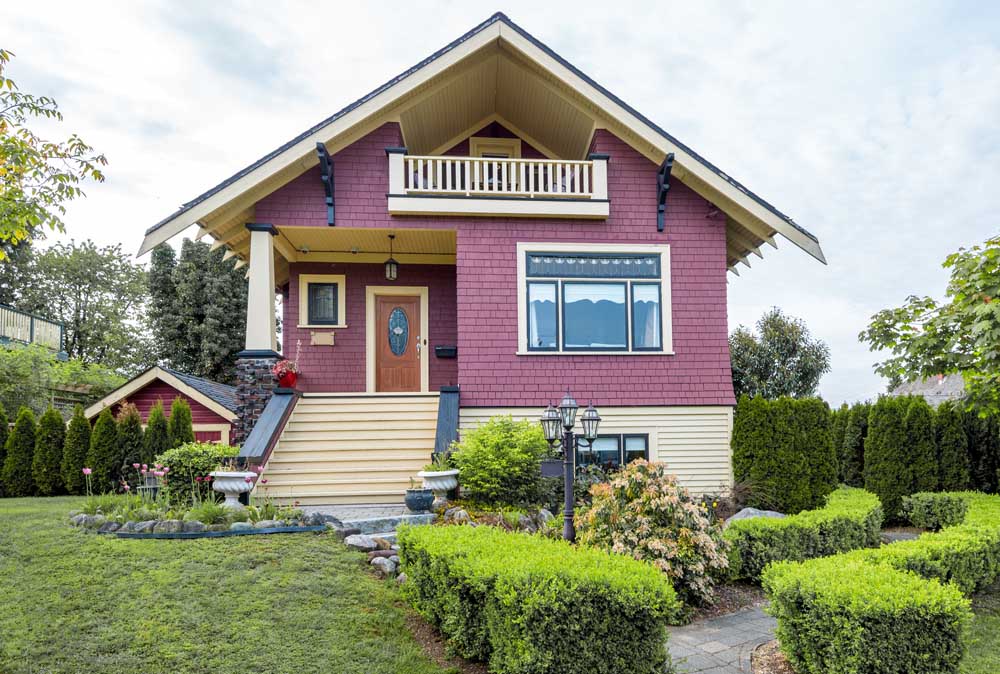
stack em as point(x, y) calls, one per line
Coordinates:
point(217, 397)
point(219, 209)
point(935, 390)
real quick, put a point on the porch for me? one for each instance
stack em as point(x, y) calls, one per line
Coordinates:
point(24, 328)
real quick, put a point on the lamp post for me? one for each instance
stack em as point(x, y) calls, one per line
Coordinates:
point(557, 424)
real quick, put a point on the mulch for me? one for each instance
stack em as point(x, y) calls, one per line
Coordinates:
point(768, 659)
point(436, 649)
point(730, 597)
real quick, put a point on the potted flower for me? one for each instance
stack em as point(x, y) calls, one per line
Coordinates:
point(418, 499)
point(439, 476)
point(229, 481)
point(287, 372)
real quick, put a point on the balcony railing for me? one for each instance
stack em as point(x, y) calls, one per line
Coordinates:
point(18, 326)
point(498, 186)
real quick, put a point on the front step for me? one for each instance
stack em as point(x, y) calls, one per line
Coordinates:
point(340, 449)
point(375, 525)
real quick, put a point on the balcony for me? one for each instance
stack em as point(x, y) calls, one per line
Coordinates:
point(498, 187)
point(17, 326)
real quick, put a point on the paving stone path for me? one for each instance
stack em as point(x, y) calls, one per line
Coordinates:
point(720, 645)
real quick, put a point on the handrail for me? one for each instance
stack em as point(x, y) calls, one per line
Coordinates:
point(20, 326)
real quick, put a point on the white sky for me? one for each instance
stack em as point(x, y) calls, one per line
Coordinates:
point(873, 124)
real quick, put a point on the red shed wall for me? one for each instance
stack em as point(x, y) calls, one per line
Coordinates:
point(146, 397)
point(489, 371)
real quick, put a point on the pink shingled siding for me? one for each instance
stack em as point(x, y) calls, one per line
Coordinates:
point(146, 397)
point(489, 371)
point(341, 368)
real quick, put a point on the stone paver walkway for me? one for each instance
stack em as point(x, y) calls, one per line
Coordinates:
point(720, 645)
point(347, 513)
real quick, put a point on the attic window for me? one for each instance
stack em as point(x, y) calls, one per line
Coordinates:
point(504, 148)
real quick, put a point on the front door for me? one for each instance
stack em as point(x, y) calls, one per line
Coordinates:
point(397, 343)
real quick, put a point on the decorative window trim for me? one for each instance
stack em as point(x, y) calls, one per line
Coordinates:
point(666, 331)
point(479, 145)
point(304, 281)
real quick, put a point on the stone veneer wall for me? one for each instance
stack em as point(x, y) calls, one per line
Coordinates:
point(254, 385)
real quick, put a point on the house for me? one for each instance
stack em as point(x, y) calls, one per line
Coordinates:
point(935, 390)
point(213, 405)
point(474, 237)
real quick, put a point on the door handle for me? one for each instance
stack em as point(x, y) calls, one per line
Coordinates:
point(418, 347)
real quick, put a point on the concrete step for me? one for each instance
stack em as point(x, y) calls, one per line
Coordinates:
point(373, 526)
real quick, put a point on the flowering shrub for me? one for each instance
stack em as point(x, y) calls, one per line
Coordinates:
point(283, 367)
point(643, 512)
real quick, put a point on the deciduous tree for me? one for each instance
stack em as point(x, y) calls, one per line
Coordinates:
point(780, 359)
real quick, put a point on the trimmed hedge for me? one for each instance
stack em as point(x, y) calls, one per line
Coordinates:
point(852, 449)
point(934, 511)
point(528, 604)
point(886, 471)
point(852, 518)
point(898, 608)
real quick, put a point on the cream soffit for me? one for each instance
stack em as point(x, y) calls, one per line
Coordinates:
point(152, 374)
point(500, 40)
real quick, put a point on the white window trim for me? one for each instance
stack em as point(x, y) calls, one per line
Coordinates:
point(666, 300)
point(479, 144)
point(304, 281)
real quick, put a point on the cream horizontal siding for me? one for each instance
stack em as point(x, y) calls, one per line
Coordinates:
point(692, 441)
point(351, 449)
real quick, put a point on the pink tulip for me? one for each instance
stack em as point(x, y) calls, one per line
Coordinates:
point(127, 488)
point(248, 479)
point(166, 470)
point(258, 469)
point(144, 467)
point(158, 473)
point(198, 478)
point(158, 465)
point(263, 481)
point(135, 465)
point(87, 471)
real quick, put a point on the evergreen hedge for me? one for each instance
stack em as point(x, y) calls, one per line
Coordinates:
point(838, 425)
point(17, 477)
point(102, 457)
point(918, 422)
point(852, 447)
point(934, 511)
point(851, 518)
point(529, 604)
point(130, 438)
point(156, 439)
point(952, 447)
point(75, 450)
point(4, 432)
point(180, 428)
point(46, 463)
point(984, 450)
point(886, 469)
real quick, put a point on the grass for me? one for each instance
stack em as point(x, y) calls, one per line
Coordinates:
point(983, 634)
point(77, 602)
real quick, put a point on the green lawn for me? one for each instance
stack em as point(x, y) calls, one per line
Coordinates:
point(77, 602)
point(983, 656)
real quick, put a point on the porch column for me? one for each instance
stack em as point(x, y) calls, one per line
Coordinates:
point(254, 380)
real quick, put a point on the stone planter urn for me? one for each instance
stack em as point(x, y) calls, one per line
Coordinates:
point(440, 482)
point(231, 484)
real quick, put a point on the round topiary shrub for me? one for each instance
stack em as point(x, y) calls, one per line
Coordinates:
point(500, 462)
point(643, 512)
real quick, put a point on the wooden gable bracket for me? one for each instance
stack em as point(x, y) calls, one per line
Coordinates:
point(326, 176)
point(662, 187)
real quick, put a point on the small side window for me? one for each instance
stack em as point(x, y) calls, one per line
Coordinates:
point(323, 303)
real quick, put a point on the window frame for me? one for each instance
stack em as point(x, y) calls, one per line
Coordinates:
point(480, 146)
point(527, 309)
point(305, 280)
point(631, 301)
point(561, 313)
point(621, 437)
point(586, 250)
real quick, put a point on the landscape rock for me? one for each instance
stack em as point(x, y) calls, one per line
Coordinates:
point(168, 527)
point(400, 579)
point(267, 524)
point(381, 553)
point(319, 519)
point(544, 516)
point(750, 513)
point(385, 567)
point(525, 523)
point(343, 532)
point(240, 526)
point(109, 528)
point(361, 542)
point(93, 521)
point(128, 528)
point(457, 515)
point(73, 513)
point(382, 543)
point(78, 520)
point(217, 527)
point(194, 526)
point(144, 527)
point(394, 559)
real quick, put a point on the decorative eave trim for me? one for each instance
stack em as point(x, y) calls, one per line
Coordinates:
point(149, 376)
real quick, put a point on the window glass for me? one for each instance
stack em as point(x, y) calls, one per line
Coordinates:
point(636, 447)
point(541, 315)
point(646, 316)
point(605, 452)
point(322, 303)
point(594, 316)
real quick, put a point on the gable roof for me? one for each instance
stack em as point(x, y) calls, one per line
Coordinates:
point(935, 390)
point(220, 398)
point(751, 219)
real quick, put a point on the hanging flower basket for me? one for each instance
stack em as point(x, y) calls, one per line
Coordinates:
point(287, 372)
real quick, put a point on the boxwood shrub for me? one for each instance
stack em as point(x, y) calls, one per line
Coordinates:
point(528, 604)
point(851, 519)
point(898, 608)
point(934, 511)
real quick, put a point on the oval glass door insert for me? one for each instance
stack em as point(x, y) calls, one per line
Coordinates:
point(399, 331)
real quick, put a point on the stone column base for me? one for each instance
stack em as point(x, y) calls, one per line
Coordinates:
point(254, 386)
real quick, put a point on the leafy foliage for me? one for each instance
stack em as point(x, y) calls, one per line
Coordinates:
point(17, 475)
point(180, 427)
point(130, 436)
point(29, 375)
point(499, 462)
point(197, 310)
point(782, 359)
point(934, 511)
point(156, 439)
point(851, 518)
point(886, 469)
point(642, 512)
point(922, 465)
point(189, 461)
point(45, 465)
point(952, 448)
point(4, 432)
point(102, 457)
point(37, 176)
point(508, 597)
point(75, 449)
point(852, 449)
point(958, 335)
